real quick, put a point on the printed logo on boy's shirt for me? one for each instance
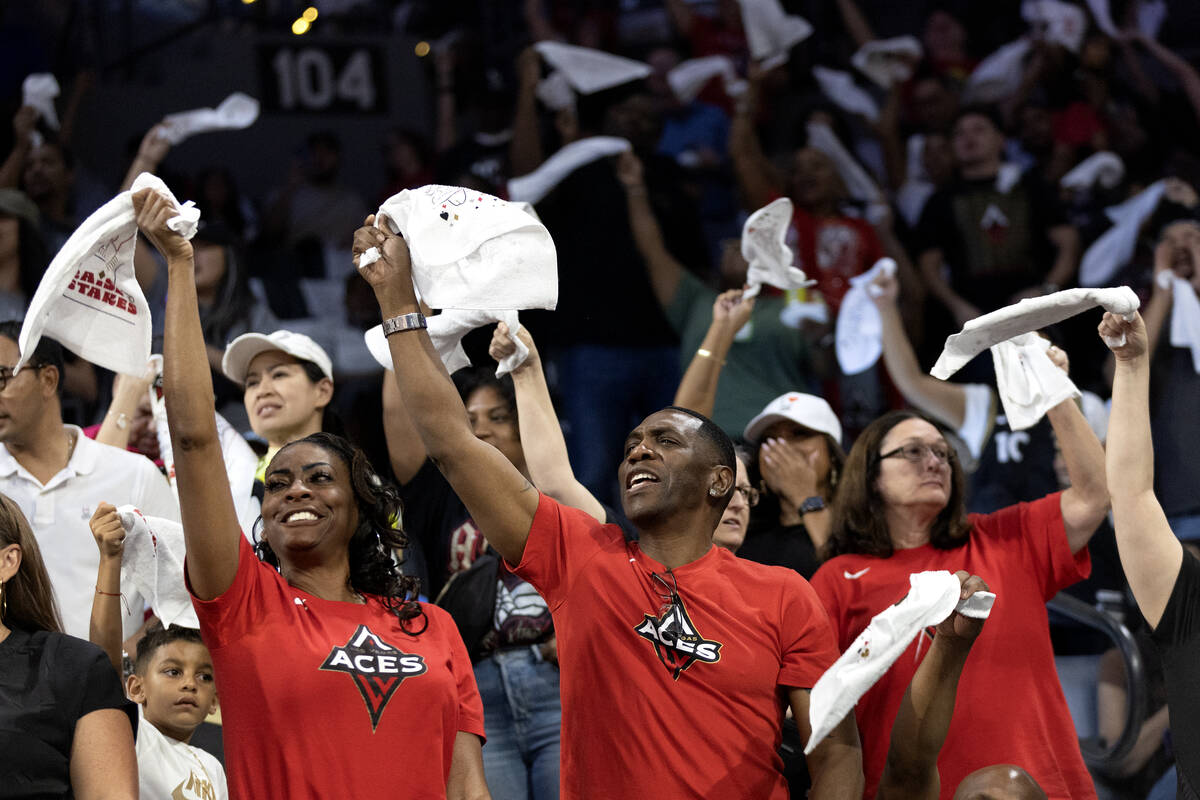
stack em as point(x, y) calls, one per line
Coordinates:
point(676, 641)
point(194, 788)
point(376, 667)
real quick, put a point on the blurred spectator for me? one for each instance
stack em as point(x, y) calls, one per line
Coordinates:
point(23, 257)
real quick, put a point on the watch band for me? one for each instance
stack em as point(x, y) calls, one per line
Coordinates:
point(404, 322)
point(814, 503)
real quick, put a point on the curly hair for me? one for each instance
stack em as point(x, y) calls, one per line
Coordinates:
point(372, 568)
point(858, 523)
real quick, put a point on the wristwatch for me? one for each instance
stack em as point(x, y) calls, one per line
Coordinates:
point(814, 503)
point(404, 322)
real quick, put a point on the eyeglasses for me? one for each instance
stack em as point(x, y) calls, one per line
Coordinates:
point(751, 494)
point(917, 452)
point(6, 374)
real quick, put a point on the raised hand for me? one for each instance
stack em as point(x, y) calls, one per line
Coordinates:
point(629, 170)
point(108, 531)
point(885, 291)
point(393, 268)
point(24, 122)
point(1113, 326)
point(1059, 358)
point(502, 346)
point(956, 625)
point(153, 212)
point(731, 310)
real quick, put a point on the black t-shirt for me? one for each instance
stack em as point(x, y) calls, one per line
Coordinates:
point(783, 546)
point(603, 285)
point(1178, 638)
point(1176, 429)
point(436, 519)
point(993, 243)
point(1014, 467)
point(48, 681)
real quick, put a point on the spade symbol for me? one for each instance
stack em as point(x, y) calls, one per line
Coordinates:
point(444, 215)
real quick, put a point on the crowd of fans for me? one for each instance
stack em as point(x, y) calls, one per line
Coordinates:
point(522, 621)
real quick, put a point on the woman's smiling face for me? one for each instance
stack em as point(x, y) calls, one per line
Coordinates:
point(309, 507)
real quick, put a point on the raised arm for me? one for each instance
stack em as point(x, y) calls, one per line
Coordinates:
point(525, 150)
point(854, 21)
point(930, 264)
point(1065, 239)
point(1085, 503)
point(942, 400)
point(24, 122)
point(835, 765)
point(104, 630)
point(128, 392)
point(923, 720)
point(406, 451)
point(1150, 553)
point(754, 174)
point(698, 388)
point(151, 152)
point(210, 524)
point(665, 271)
point(501, 501)
point(541, 437)
point(1183, 71)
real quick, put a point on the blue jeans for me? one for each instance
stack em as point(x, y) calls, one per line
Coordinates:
point(606, 392)
point(521, 715)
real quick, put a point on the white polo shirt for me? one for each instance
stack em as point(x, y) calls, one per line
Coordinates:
point(59, 510)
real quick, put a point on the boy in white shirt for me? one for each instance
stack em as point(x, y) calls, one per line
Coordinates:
point(172, 682)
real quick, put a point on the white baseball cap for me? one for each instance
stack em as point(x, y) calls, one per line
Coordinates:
point(807, 410)
point(242, 350)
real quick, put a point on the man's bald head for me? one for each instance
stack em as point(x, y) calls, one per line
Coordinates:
point(999, 782)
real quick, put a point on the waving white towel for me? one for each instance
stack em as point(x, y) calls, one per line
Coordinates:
point(858, 183)
point(555, 91)
point(998, 75)
point(1104, 168)
point(888, 61)
point(1056, 21)
point(859, 336)
point(236, 111)
point(1115, 246)
point(89, 299)
point(770, 32)
point(39, 91)
point(841, 90)
point(765, 248)
point(1028, 315)
point(1028, 382)
point(1185, 318)
point(1103, 17)
point(588, 70)
point(688, 78)
point(446, 331)
point(532, 188)
point(152, 562)
point(471, 250)
point(932, 597)
point(1150, 16)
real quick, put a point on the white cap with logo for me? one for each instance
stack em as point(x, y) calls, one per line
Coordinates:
point(242, 350)
point(806, 410)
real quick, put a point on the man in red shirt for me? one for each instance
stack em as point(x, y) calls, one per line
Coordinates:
point(677, 659)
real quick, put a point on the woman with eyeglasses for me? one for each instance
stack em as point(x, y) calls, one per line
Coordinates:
point(899, 510)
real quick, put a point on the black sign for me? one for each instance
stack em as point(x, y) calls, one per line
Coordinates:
point(316, 78)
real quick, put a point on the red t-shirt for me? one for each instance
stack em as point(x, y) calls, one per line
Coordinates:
point(324, 699)
point(832, 250)
point(642, 718)
point(1010, 707)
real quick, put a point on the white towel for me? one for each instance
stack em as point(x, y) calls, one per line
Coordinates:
point(978, 417)
point(770, 32)
point(152, 563)
point(1056, 21)
point(1115, 246)
point(859, 336)
point(888, 61)
point(1103, 17)
point(555, 91)
point(236, 111)
point(532, 188)
point(998, 75)
point(765, 248)
point(588, 70)
point(841, 90)
point(446, 331)
point(1030, 314)
point(1007, 176)
point(932, 597)
point(1104, 168)
point(688, 78)
point(1185, 318)
point(858, 183)
point(473, 251)
point(1150, 16)
point(89, 299)
point(39, 91)
point(1027, 380)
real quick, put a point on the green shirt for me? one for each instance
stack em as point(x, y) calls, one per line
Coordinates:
point(766, 360)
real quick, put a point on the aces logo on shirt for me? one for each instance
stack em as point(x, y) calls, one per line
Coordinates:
point(377, 668)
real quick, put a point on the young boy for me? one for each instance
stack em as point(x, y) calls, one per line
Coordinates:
point(172, 682)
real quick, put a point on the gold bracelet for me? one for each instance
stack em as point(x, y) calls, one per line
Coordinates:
point(707, 354)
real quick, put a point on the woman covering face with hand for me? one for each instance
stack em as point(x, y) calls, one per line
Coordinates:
point(327, 668)
point(899, 510)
